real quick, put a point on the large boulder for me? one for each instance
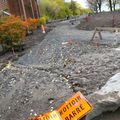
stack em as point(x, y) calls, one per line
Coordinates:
point(107, 98)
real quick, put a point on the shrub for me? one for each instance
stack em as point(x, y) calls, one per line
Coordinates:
point(42, 21)
point(31, 24)
point(12, 32)
point(47, 18)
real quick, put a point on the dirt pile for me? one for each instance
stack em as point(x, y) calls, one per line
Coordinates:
point(103, 19)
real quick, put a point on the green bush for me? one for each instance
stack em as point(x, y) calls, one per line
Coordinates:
point(47, 18)
point(42, 21)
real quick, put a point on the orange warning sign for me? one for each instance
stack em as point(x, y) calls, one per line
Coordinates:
point(74, 108)
point(54, 115)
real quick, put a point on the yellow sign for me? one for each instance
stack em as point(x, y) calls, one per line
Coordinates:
point(74, 108)
point(54, 115)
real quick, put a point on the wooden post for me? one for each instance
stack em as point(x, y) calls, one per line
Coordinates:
point(113, 21)
point(19, 5)
point(32, 9)
point(37, 9)
point(24, 12)
point(93, 35)
point(99, 32)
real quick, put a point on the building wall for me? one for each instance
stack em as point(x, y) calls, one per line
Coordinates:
point(14, 7)
point(36, 9)
point(30, 6)
point(3, 5)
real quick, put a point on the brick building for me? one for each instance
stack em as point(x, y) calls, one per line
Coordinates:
point(23, 8)
point(3, 5)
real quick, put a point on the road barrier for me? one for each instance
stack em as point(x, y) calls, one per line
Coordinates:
point(100, 29)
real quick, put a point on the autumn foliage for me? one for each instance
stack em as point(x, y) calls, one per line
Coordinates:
point(12, 31)
point(31, 24)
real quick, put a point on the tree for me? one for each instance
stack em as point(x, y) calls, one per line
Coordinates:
point(95, 5)
point(114, 4)
point(110, 5)
point(57, 9)
point(99, 2)
point(73, 7)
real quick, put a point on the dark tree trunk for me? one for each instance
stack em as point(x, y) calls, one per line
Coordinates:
point(99, 5)
point(110, 3)
point(114, 4)
point(114, 7)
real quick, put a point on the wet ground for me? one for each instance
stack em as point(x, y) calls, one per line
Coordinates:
point(63, 63)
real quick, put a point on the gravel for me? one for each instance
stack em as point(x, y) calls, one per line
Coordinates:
point(64, 62)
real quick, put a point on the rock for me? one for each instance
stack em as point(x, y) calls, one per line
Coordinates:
point(107, 98)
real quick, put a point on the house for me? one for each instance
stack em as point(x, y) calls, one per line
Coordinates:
point(22, 8)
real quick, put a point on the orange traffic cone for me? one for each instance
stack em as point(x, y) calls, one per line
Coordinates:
point(43, 29)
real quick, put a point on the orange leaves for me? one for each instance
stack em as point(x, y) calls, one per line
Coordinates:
point(12, 31)
point(31, 24)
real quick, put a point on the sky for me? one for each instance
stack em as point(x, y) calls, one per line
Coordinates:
point(82, 2)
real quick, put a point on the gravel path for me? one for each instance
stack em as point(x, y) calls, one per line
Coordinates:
point(68, 51)
point(63, 63)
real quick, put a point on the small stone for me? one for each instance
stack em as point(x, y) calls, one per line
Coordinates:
point(31, 110)
point(8, 65)
point(31, 114)
point(36, 87)
point(35, 114)
point(51, 100)
point(36, 82)
point(51, 109)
